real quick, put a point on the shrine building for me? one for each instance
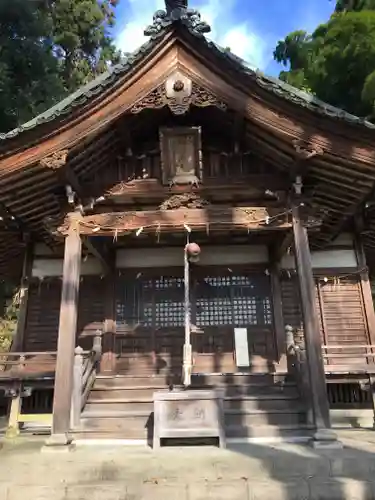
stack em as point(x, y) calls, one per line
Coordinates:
point(184, 221)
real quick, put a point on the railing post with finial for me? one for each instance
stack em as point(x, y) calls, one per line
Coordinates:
point(289, 337)
point(77, 388)
point(97, 346)
point(290, 348)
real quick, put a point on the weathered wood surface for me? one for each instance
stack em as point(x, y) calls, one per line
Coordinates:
point(251, 184)
point(311, 326)
point(23, 365)
point(251, 218)
point(67, 330)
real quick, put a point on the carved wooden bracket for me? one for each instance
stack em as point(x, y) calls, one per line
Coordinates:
point(184, 200)
point(179, 93)
point(306, 150)
point(56, 160)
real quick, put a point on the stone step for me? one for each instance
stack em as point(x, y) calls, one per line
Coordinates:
point(100, 391)
point(145, 432)
point(99, 418)
point(248, 403)
point(151, 380)
point(156, 380)
point(292, 416)
point(268, 431)
point(219, 379)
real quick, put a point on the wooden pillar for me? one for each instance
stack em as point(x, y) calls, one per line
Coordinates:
point(108, 359)
point(278, 317)
point(368, 303)
point(324, 434)
point(67, 334)
point(19, 339)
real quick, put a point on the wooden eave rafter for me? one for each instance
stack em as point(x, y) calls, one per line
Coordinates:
point(98, 113)
point(245, 83)
point(196, 60)
point(287, 126)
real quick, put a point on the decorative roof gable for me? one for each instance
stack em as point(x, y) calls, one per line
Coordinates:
point(177, 16)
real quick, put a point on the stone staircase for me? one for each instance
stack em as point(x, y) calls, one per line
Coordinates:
point(258, 405)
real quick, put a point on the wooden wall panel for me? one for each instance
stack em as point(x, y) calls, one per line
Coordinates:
point(44, 308)
point(344, 315)
point(342, 318)
point(91, 315)
point(42, 319)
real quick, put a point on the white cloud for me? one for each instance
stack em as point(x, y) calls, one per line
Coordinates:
point(240, 37)
point(247, 45)
point(139, 15)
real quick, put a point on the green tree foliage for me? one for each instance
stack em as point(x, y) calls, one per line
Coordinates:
point(294, 52)
point(9, 307)
point(81, 38)
point(29, 80)
point(48, 48)
point(336, 62)
point(354, 5)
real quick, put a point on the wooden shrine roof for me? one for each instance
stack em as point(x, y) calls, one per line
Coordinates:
point(108, 79)
point(82, 133)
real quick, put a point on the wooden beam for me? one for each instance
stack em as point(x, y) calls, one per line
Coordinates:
point(97, 252)
point(67, 334)
point(212, 217)
point(311, 331)
point(247, 185)
point(19, 339)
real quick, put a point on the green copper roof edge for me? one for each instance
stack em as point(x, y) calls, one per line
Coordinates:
point(271, 84)
point(84, 93)
point(290, 93)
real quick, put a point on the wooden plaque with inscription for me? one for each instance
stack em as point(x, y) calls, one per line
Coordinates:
point(188, 414)
point(181, 155)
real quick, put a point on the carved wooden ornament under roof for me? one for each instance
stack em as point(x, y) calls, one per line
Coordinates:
point(178, 92)
point(306, 150)
point(56, 160)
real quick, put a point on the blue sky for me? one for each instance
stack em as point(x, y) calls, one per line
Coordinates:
point(251, 28)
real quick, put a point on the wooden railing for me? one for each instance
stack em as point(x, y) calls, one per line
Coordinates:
point(359, 367)
point(351, 359)
point(27, 363)
point(85, 369)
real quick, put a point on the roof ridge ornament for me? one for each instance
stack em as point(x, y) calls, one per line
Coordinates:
point(177, 11)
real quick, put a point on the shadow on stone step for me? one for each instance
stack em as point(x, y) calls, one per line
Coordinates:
point(150, 429)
